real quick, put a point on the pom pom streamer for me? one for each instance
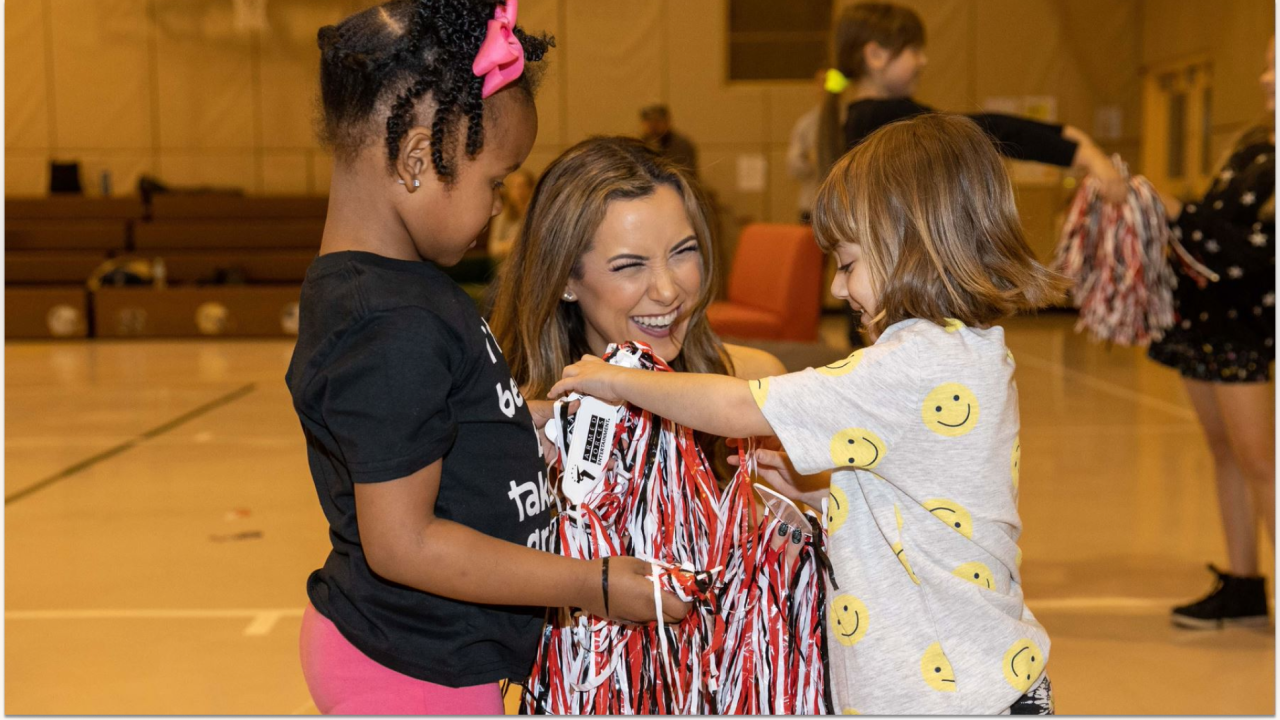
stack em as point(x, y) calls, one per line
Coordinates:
point(754, 641)
point(1117, 258)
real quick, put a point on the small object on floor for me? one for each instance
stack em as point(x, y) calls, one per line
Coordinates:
point(237, 514)
point(248, 535)
point(1234, 600)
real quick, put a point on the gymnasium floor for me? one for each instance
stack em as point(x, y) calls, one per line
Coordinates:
point(160, 523)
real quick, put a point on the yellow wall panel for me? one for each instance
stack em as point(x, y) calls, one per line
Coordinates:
point(286, 173)
point(1240, 56)
point(289, 60)
point(101, 73)
point(784, 190)
point(784, 104)
point(704, 104)
point(26, 108)
point(537, 17)
point(222, 170)
point(26, 173)
point(205, 77)
point(614, 65)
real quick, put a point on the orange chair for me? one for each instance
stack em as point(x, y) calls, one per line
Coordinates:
point(775, 286)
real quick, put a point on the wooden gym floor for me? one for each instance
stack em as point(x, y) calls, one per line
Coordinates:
point(160, 523)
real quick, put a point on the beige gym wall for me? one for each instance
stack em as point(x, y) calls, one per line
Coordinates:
point(1231, 34)
point(167, 87)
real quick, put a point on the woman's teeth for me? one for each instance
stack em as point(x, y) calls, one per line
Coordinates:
point(656, 321)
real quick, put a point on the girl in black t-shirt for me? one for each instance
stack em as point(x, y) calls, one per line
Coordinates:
point(425, 456)
point(879, 55)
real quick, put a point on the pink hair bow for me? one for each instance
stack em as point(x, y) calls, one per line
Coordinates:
point(501, 57)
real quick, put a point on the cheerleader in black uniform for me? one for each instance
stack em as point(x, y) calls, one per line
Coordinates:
point(1223, 343)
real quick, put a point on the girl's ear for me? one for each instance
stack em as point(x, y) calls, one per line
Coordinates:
point(415, 156)
point(875, 55)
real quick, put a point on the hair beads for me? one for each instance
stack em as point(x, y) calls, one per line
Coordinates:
point(1117, 257)
point(754, 640)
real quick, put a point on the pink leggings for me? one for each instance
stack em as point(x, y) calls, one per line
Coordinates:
point(344, 681)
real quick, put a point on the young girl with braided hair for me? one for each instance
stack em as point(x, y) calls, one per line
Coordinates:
point(424, 455)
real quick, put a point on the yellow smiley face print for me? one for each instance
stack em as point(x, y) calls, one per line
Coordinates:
point(951, 410)
point(759, 391)
point(976, 573)
point(951, 513)
point(857, 447)
point(837, 509)
point(842, 367)
point(1023, 663)
point(936, 669)
point(902, 558)
point(1015, 461)
point(851, 619)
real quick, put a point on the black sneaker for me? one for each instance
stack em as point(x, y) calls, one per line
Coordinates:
point(1234, 600)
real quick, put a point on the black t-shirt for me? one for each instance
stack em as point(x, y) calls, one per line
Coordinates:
point(393, 370)
point(1015, 137)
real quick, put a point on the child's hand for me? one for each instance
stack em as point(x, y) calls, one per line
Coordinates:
point(1112, 185)
point(631, 594)
point(774, 467)
point(590, 376)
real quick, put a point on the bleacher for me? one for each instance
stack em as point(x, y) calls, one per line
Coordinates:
point(215, 265)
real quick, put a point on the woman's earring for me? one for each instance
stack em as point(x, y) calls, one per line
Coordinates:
point(416, 183)
point(570, 297)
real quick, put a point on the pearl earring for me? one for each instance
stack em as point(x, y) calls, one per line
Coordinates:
point(568, 296)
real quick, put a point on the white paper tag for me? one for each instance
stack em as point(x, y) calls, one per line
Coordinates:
point(590, 447)
point(591, 443)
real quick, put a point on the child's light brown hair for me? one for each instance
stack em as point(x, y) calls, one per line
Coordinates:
point(930, 205)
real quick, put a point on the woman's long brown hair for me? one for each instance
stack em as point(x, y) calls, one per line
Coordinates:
point(539, 333)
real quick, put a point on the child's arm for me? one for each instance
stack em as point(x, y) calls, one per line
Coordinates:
point(406, 543)
point(715, 404)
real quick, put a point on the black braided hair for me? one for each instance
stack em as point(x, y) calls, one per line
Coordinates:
point(388, 58)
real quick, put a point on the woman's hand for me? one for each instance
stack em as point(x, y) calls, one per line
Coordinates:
point(590, 376)
point(631, 594)
point(774, 467)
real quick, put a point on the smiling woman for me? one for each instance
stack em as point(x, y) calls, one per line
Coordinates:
point(616, 247)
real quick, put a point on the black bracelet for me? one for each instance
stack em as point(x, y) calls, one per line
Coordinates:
point(604, 583)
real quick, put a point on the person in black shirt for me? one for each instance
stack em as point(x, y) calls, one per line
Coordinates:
point(879, 55)
point(657, 133)
point(425, 457)
point(1223, 344)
